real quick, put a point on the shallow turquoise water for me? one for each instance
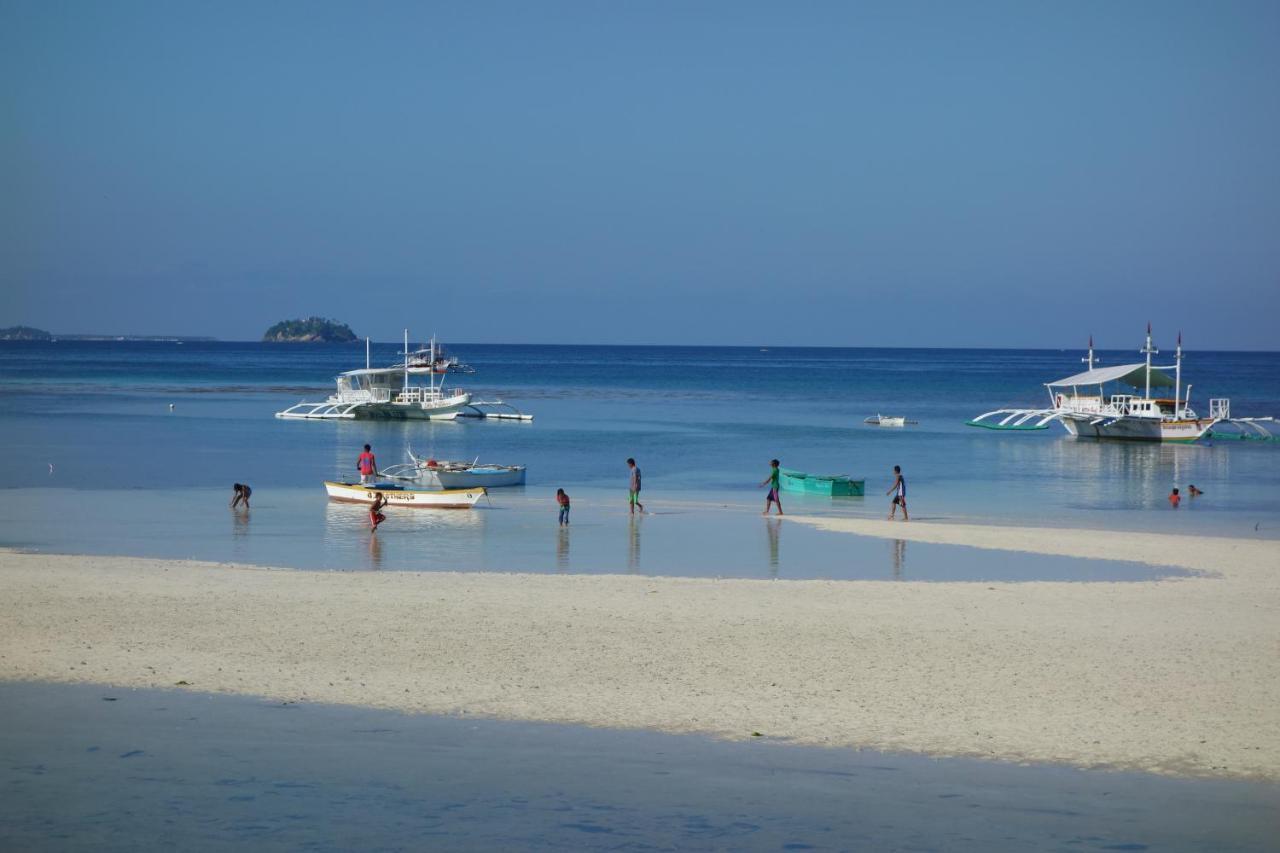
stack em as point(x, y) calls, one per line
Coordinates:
point(130, 476)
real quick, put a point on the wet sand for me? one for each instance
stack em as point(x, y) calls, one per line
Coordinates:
point(1178, 676)
point(103, 769)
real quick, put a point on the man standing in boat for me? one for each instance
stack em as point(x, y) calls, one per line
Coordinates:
point(367, 465)
point(633, 495)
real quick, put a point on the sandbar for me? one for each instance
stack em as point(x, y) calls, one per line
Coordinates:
point(1179, 676)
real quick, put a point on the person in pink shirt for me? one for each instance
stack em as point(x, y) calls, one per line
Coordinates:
point(367, 465)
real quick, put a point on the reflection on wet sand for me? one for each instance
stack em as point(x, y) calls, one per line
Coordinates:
point(351, 545)
point(562, 549)
point(899, 556)
point(240, 544)
point(772, 527)
point(633, 551)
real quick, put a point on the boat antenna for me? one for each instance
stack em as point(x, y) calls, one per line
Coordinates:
point(1089, 360)
point(1177, 375)
point(1149, 351)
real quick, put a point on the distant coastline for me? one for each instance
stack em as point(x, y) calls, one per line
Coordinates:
point(29, 333)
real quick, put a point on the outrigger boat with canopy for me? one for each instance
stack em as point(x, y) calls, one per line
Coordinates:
point(1083, 407)
point(386, 392)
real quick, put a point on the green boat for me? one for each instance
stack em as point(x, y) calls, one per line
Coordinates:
point(833, 485)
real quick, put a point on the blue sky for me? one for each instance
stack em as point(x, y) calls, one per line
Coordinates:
point(899, 173)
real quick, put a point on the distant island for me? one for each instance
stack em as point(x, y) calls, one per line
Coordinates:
point(24, 333)
point(310, 330)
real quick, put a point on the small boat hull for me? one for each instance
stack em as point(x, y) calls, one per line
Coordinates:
point(832, 485)
point(486, 477)
point(399, 496)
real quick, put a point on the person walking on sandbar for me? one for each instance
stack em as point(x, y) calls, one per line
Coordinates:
point(773, 481)
point(633, 494)
point(899, 489)
point(367, 465)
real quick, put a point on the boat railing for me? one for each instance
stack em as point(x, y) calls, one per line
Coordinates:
point(1120, 403)
point(1220, 408)
point(417, 394)
point(365, 395)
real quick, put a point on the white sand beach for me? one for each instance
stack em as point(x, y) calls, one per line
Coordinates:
point(1178, 676)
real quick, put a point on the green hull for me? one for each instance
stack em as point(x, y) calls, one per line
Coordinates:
point(832, 485)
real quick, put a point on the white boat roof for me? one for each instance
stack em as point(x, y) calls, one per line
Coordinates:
point(368, 371)
point(1134, 375)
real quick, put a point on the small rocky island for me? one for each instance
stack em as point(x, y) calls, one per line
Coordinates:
point(24, 333)
point(310, 330)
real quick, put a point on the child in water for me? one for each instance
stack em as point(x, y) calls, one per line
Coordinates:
point(240, 495)
point(1174, 498)
point(376, 516)
point(563, 500)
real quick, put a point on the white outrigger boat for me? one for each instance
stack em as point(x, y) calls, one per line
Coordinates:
point(398, 495)
point(1080, 403)
point(886, 421)
point(444, 474)
point(386, 392)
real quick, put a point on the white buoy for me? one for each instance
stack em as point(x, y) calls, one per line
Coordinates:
point(50, 467)
point(171, 407)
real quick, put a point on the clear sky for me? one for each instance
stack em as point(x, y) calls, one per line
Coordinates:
point(845, 173)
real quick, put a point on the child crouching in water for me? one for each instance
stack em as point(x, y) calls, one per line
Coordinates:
point(563, 500)
point(376, 515)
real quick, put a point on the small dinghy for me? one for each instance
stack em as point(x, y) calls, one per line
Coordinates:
point(833, 485)
point(446, 474)
point(398, 495)
point(882, 420)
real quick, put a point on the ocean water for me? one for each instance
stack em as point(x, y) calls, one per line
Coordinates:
point(99, 463)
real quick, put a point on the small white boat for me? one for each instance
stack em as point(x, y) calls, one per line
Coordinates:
point(446, 474)
point(398, 495)
point(881, 420)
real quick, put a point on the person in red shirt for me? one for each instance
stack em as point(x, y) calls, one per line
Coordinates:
point(367, 465)
point(563, 500)
point(1174, 498)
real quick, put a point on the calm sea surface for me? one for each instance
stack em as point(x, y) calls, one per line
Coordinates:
point(129, 476)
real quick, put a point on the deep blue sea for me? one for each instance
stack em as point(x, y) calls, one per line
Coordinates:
point(130, 476)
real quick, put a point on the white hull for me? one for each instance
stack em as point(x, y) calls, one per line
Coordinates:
point(1136, 429)
point(445, 410)
point(402, 497)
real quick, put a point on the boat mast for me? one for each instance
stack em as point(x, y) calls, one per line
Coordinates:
point(1149, 350)
point(406, 359)
point(1177, 376)
point(366, 353)
point(432, 371)
point(1089, 360)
